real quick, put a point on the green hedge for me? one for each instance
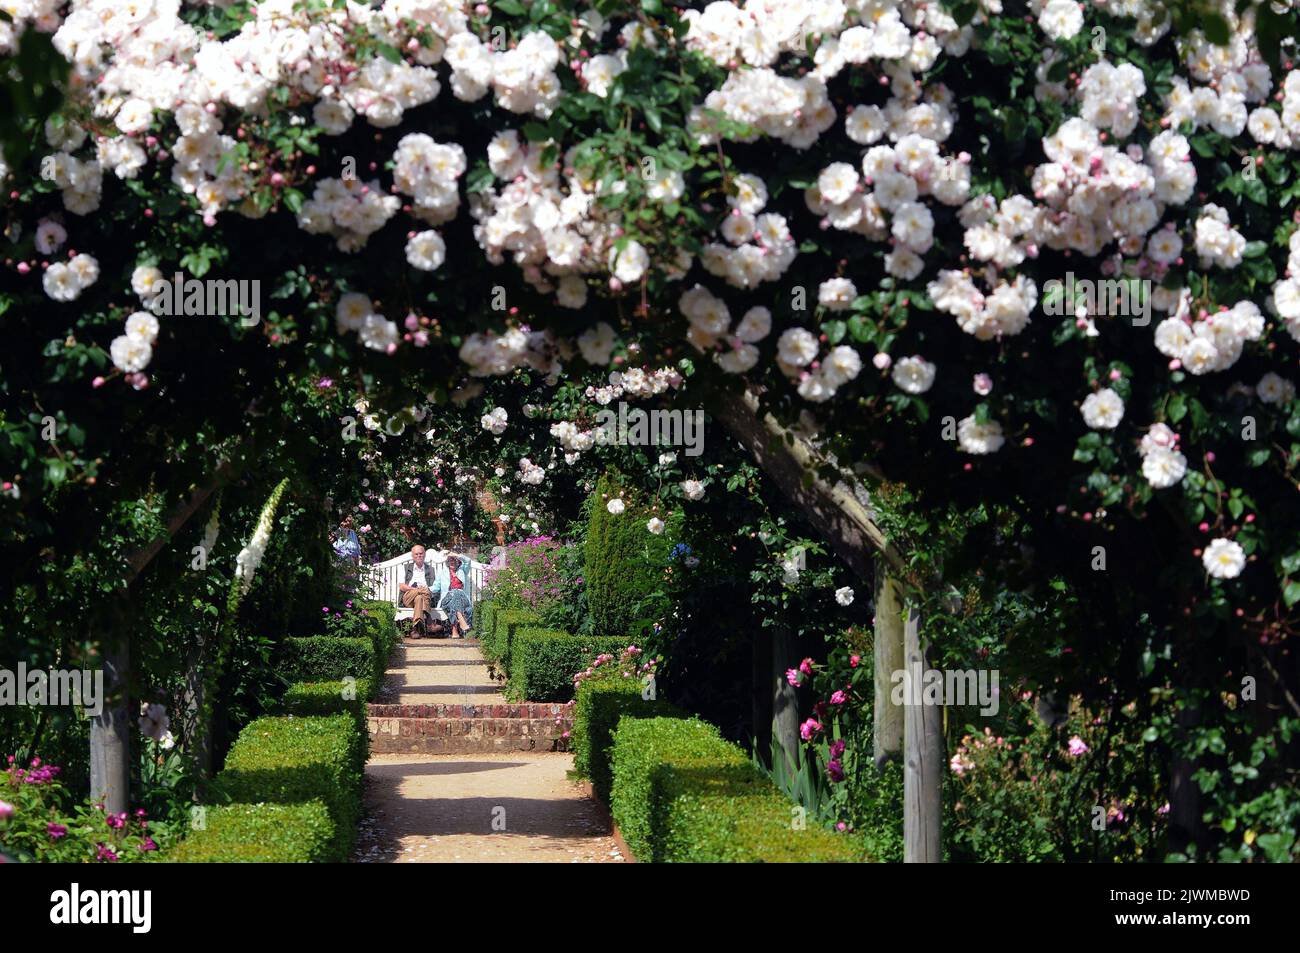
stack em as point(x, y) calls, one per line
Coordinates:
point(485, 623)
point(681, 793)
point(498, 644)
point(259, 833)
point(382, 623)
point(623, 564)
point(321, 658)
point(290, 760)
point(544, 661)
point(327, 698)
point(601, 703)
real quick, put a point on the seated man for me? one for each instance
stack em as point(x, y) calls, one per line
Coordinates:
point(414, 591)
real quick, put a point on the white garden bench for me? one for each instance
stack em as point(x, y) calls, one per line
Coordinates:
point(385, 577)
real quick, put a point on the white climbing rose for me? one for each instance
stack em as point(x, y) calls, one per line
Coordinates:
point(1224, 559)
point(1102, 410)
point(615, 506)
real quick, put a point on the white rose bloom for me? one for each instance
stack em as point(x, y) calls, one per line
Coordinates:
point(352, 310)
point(1061, 19)
point(143, 280)
point(738, 360)
point(599, 72)
point(844, 596)
point(1224, 559)
point(571, 292)
point(378, 333)
point(629, 264)
point(426, 251)
point(1273, 389)
point(1103, 410)
point(60, 282)
point(797, 347)
point(693, 489)
point(755, 325)
point(1163, 467)
point(495, 422)
point(837, 182)
point(85, 268)
point(667, 459)
point(914, 375)
point(842, 365)
point(130, 354)
point(142, 325)
point(597, 344)
point(615, 506)
point(837, 294)
point(979, 438)
point(655, 525)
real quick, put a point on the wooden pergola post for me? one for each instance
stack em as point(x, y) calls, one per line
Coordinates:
point(922, 759)
point(887, 656)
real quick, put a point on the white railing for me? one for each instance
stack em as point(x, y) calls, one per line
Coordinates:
point(385, 577)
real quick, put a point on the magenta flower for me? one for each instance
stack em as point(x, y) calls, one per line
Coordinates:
point(835, 771)
point(837, 748)
point(855, 661)
point(56, 830)
point(1077, 747)
point(6, 809)
point(792, 676)
point(809, 728)
point(838, 698)
point(105, 853)
point(806, 666)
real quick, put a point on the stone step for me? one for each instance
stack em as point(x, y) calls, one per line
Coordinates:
point(468, 729)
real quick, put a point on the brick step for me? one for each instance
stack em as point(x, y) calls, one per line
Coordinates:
point(445, 710)
point(467, 729)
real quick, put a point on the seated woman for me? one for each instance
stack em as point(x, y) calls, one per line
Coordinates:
point(455, 600)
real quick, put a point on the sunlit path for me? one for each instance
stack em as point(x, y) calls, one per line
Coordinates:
point(461, 775)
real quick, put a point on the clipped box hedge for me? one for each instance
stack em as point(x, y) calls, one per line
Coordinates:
point(259, 834)
point(328, 698)
point(498, 644)
point(600, 704)
point(381, 618)
point(484, 622)
point(290, 760)
point(323, 658)
point(681, 793)
point(544, 661)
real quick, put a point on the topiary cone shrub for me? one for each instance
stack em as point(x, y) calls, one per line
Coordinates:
point(624, 562)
